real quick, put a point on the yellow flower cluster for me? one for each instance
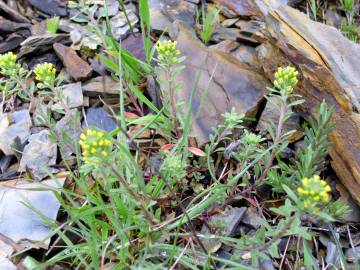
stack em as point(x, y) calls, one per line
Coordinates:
point(314, 191)
point(286, 79)
point(45, 73)
point(8, 65)
point(167, 52)
point(95, 145)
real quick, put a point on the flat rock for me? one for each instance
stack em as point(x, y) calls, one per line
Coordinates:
point(252, 218)
point(71, 96)
point(41, 44)
point(101, 85)
point(164, 12)
point(224, 224)
point(134, 45)
point(38, 155)
point(352, 254)
point(12, 13)
point(49, 57)
point(75, 66)
point(100, 119)
point(68, 130)
point(51, 7)
point(88, 39)
point(5, 162)
point(236, 8)
point(271, 114)
point(30, 229)
point(7, 26)
point(112, 9)
point(232, 85)
point(12, 126)
point(120, 25)
point(14, 40)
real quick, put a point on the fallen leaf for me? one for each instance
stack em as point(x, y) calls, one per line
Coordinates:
point(197, 152)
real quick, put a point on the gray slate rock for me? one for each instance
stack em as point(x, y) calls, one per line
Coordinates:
point(14, 40)
point(224, 224)
point(41, 44)
point(164, 12)
point(14, 126)
point(71, 96)
point(120, 26)
point(100, 119)
point(111, 10)
point(271, 115)
point(252, 218)
point(38, 155)
point(352, 254)
point(21, 224)
point(332, 254)
point(51, 7)
point(69, 130)
point(101, 85)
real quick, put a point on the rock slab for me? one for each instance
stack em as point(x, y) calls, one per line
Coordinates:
point(14, 126)
point(77, 68)
point(224, 83)
point(38, 155)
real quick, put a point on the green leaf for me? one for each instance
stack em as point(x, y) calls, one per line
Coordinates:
point(291, 194)
point(309, 260)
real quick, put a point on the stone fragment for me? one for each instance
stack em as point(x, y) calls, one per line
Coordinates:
point(229, 22)
point(111, 10)
point(224, 84)
point(12, 13)
point(49, 57)
point(332, 254)
point(75, 66)
point(164, 12)
point(51, 7)
point(135, 45)
point(352, 254)
point(252, 218)
point(41, 44)
point(14, 126)
point(271, 114)
point(5, 163)
point(68, 131)
point(39, 29)
point(39, 155)
point(98, 118)
point(120, 25)
point(14, 40)
point(236, 8)
point(224, 224)
point(30, 230)
point(71, 96)
point(101, 85)
point(7, 26)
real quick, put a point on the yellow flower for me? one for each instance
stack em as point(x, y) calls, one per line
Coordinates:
point(95, 146)
point(45, 73)
point(167, 52)
point(8, 65)
point(286, 79)
point(313, 192)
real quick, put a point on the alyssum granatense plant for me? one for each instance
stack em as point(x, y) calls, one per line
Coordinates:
point(169, 62)
point(312, 194)
point(121, 218)
point(15, 77)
